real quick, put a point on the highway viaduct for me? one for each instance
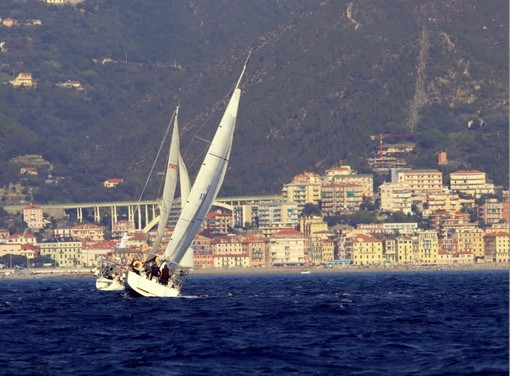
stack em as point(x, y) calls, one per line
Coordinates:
point(144, 214)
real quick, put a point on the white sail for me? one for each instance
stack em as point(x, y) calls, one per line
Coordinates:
point(206, 186)
point(123, 241)
point(184, 181)
point(172, 170)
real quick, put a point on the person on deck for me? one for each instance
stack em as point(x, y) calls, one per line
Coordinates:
point(135, 266)
point(148, 270)
point(155, 272)
point(165, 275)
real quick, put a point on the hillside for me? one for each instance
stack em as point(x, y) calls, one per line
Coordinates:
point(324, 77)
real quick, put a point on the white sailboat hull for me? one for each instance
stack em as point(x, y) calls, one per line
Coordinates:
point(140, 285)
point(105, 284)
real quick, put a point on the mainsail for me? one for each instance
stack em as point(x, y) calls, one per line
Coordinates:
point(207, 183)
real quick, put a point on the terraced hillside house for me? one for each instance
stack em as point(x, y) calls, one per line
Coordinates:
point(23, 79)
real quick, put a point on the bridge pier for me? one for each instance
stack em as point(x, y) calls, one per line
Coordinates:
point(97, 214)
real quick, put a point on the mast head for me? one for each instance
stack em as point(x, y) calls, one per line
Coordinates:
point(244, 68)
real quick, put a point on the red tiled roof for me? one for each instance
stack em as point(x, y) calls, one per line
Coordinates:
point(366, 238)
point(32, 206)
point(284, 233)
point(28, 246)
point(497, 234)
point(467, 172)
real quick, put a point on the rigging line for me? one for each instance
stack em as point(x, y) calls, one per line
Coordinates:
point(157, 156)
point(216, 107)
point(199, 157)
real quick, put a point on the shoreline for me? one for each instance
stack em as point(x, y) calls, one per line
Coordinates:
point(85, 272)
point(352, 269)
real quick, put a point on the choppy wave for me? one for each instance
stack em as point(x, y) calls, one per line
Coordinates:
point(435, 323)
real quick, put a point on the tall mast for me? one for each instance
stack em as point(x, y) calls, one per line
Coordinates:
point(244, 68)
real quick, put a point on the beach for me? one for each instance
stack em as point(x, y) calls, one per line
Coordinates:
point(354, 269)
point(86, 272)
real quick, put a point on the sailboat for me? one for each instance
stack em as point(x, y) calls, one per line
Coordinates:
point(195, 207)
point(110, 275)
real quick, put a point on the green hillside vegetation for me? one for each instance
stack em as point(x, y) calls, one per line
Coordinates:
point(317, 87)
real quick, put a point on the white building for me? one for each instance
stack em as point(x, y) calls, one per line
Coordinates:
point(396, 197)
point(288, 248)
point(421, 182)
point(470, 182)
point(33, 216)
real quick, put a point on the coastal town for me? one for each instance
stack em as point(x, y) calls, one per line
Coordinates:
point(465, 223)
point(394, 215)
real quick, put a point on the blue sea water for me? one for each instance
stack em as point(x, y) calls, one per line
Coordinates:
point(395, 323)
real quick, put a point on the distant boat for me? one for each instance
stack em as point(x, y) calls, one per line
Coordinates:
point(305, 272)
point(110, 275)
point(195, 207)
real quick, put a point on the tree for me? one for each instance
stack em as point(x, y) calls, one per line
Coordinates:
point(311, 210)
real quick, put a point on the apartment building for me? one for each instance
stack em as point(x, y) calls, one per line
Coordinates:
point(396, 197)
point(366, 250)
point(304, 189)
point(322, 248)
point(276, 212)
point(33, 217)
point(66, 251)
point(87, 231)
point(202, 252)
point(443, 199)
point(218, 222)
point(337, 198)
point(365, 181)
point(389, 250)
point(428, 247)
point(470, 182)
point(407, 249)
point(493, 211)
point(420, 182)
point(256, 249)
point(289, 248)
point(246, 215)
point(25, 238)
point(496, 246)
point(228, 252)
point(445, 223)
point(470, 240)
